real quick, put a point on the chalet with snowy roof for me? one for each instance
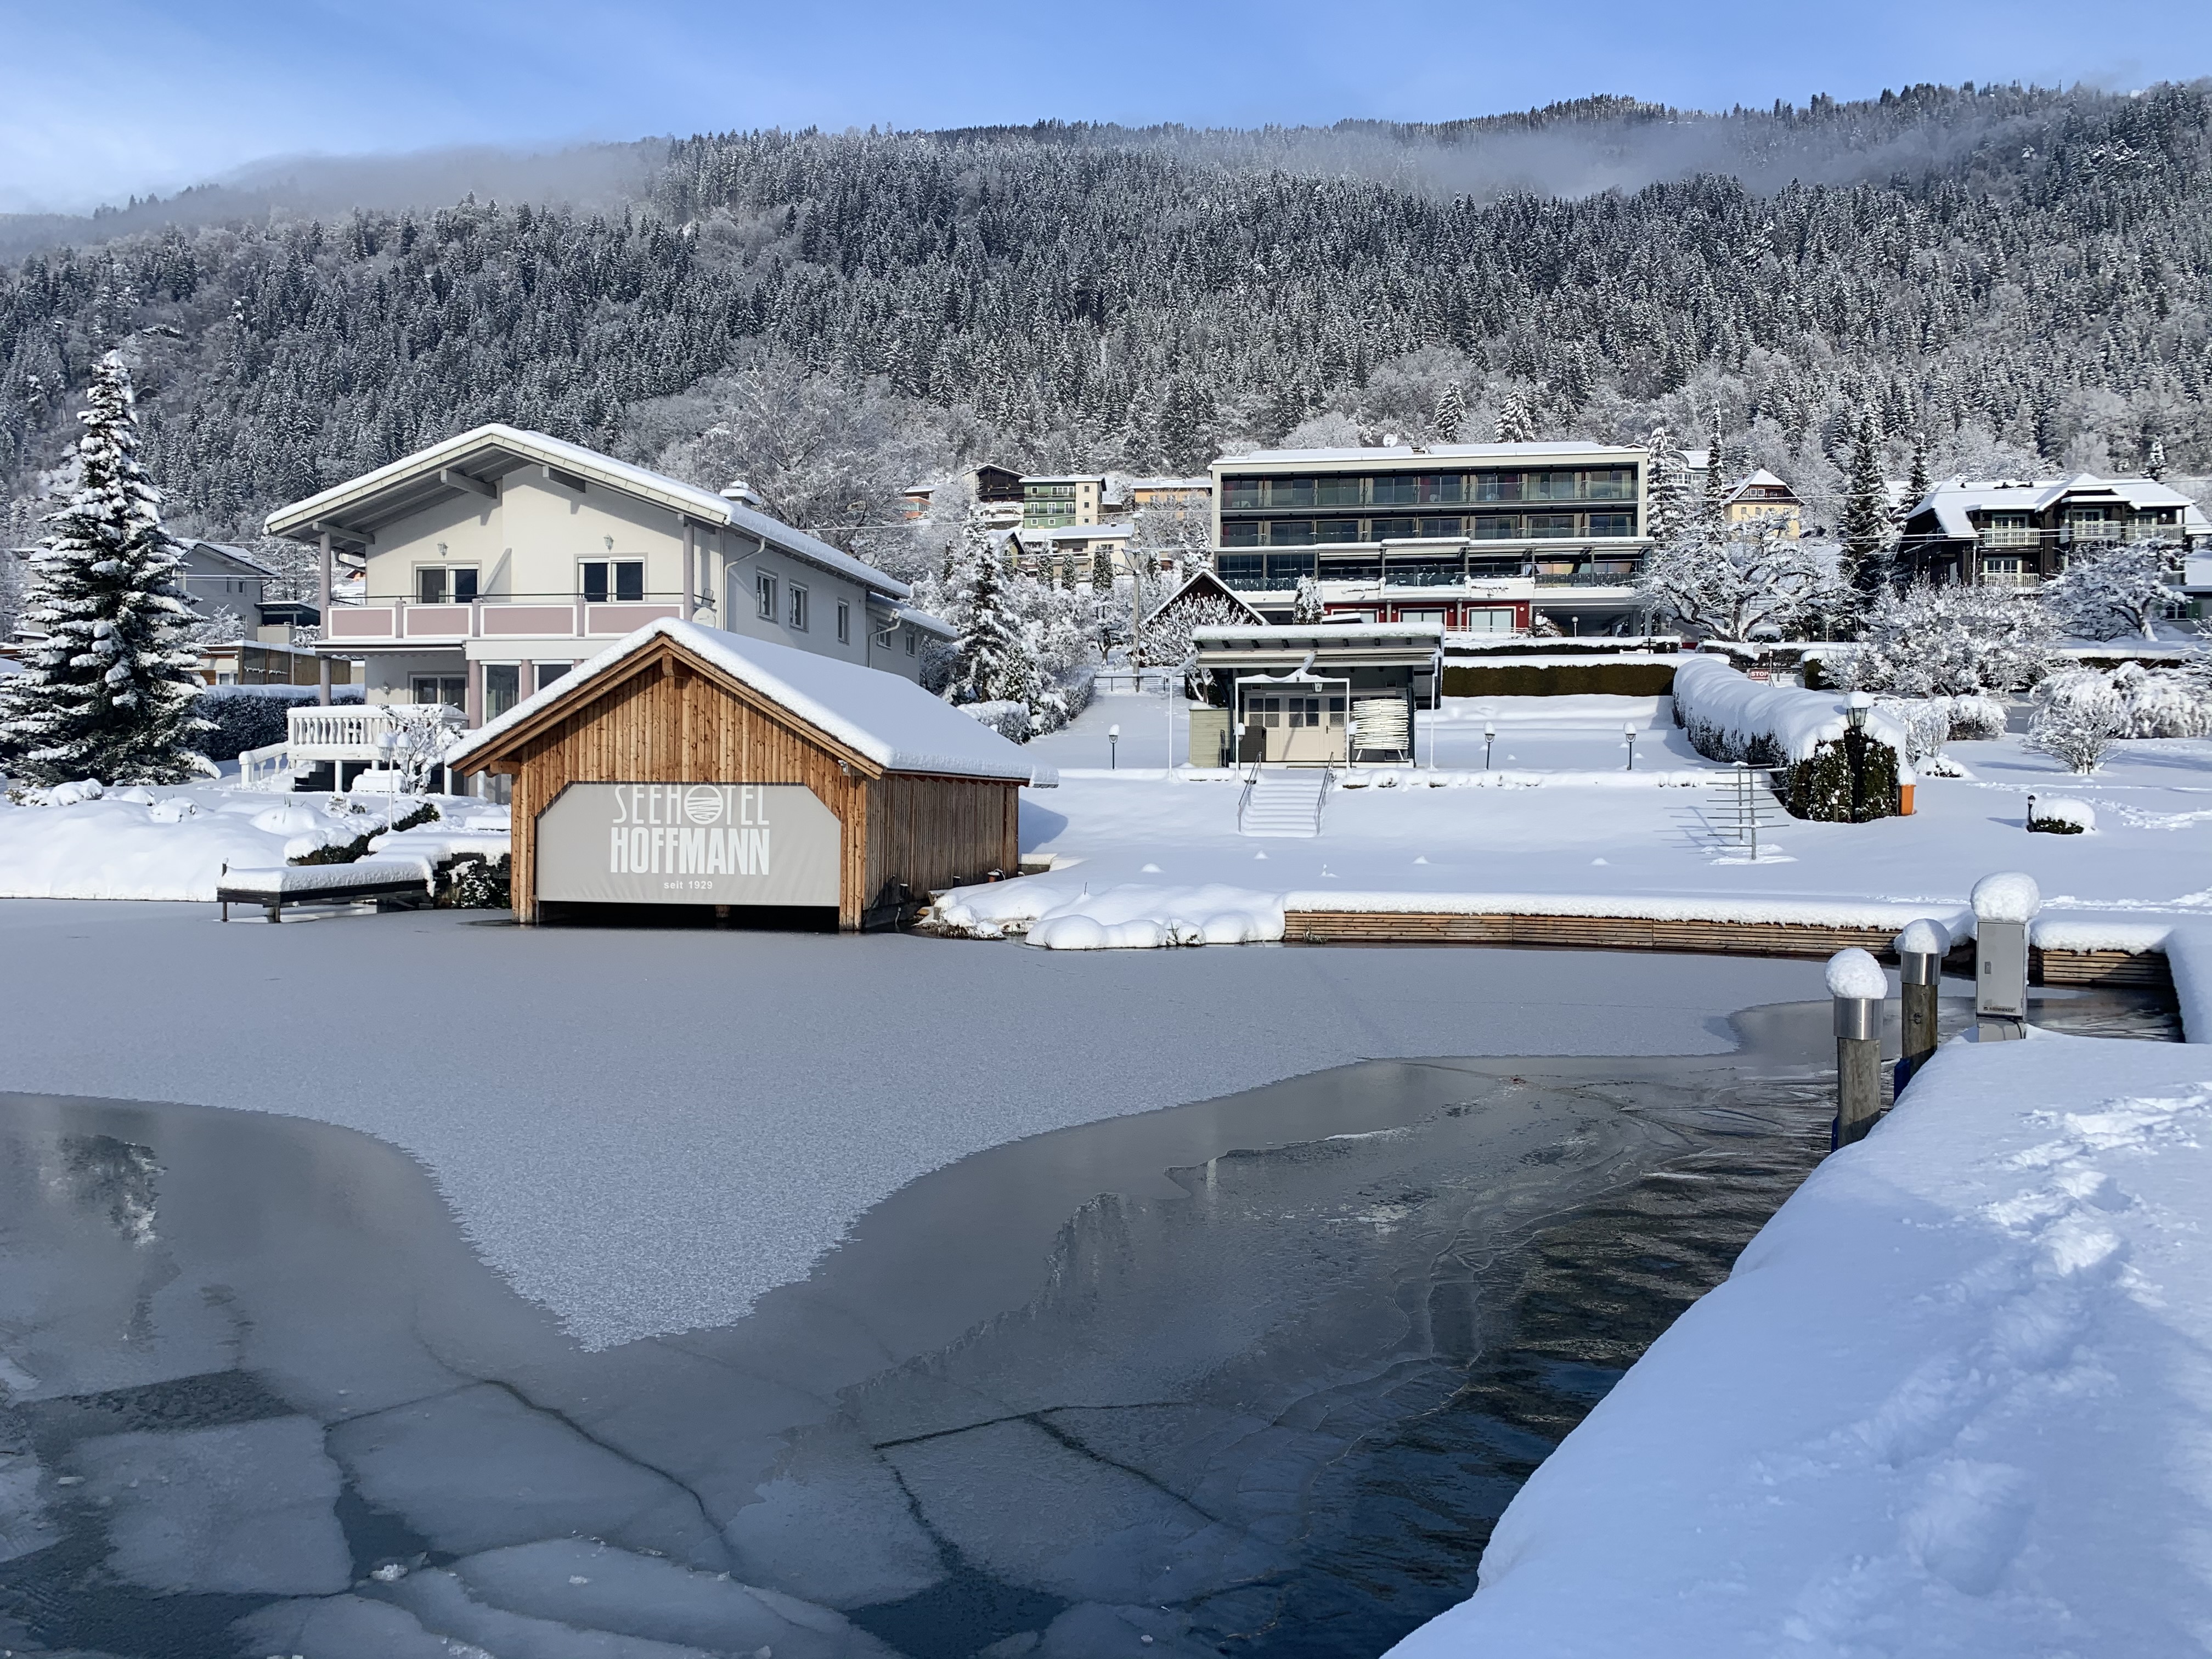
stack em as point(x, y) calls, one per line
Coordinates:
point(494, 562)
point(688, 766)
point(2021, 532)
point(1761, 496)
point(1469, 538)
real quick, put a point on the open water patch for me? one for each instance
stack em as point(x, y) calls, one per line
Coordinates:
point(1255, 1376)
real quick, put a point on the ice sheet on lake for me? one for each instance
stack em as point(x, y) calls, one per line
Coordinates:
point(240, 1509)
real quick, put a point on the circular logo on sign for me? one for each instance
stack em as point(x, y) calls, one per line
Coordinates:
point(703, 803)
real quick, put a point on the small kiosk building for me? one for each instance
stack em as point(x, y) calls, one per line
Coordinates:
point(688, 766)
point(1329, 693)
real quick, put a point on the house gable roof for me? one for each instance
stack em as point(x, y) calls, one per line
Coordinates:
point(471, 463)
point(1955, 501)
point(1204, 583)
point(885, 723)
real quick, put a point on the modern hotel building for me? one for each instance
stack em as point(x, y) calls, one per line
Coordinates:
point(1480, 537)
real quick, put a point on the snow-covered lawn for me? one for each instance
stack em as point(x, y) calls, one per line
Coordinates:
point(1560, 816)
point(172, 843)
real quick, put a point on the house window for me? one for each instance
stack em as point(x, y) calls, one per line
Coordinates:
point(797, 615)
point(503, 687)
point(764, 591)
point(449, 688)
point(844, 623)
point(549, 672)
point(444, 584)
point(622, 580)
point(909, 641)
point(1613, 523)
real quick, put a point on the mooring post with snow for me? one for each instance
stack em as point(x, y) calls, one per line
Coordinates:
point(1921, 948)
point(2004, 908)
point(1860, 987)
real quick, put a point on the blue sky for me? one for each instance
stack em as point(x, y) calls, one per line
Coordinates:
point(101, 98)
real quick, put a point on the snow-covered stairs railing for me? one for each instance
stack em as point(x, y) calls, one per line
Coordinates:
point(1288, 802)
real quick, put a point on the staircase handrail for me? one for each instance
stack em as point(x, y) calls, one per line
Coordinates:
point(1251, 782)
point(1320, 795)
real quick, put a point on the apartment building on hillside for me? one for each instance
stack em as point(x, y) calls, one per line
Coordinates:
point(2021, 532)
point(1477, 537)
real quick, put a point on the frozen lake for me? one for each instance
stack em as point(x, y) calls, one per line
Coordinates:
point(1254, 1375)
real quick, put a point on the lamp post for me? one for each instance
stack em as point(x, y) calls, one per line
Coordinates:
point(1856, 708)
point(1628, 731)
point(1489, 736)
point(1114, 748)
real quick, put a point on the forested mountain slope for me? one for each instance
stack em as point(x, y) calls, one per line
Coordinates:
point(2025, 279)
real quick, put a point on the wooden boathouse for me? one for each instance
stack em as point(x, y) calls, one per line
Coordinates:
point(688, 766)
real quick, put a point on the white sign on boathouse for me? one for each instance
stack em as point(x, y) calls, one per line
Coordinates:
point(688, 843)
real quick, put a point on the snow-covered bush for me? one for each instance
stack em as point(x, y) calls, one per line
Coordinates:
point(1010, 718)
point(1946, 641)
point(2060, 815)
point(1975, 719)
point(2078, 715)
point(1804, 737)
point(2123, 587)
point(2165, 702)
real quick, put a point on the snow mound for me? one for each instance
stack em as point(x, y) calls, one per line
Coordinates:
point(1060, 915)
point(287, 821)
point(2007, 896)
point(1855, 974)
point(1925, 937)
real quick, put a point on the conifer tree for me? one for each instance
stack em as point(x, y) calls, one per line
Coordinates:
point(1866, 512)
point(1451, 413)
point(1715, 476)
point(1665, 490)
point(991, 661)
point(1515, 424)
point(1918, 484)
point(110, 689)
point(2154, 466)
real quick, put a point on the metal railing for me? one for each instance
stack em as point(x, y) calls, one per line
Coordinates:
point(1244, 799)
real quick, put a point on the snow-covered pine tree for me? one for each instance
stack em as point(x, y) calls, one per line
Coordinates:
point(1516, 425)
point(110, 689)
point(991, 661)
point(1667, 490)
point(2155, 465)
point(1451, 413)
point(1866, 526)
point(1918, 484)
point(1306, 606)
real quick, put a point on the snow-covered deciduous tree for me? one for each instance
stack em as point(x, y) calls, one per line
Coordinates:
point(1953, 641)
point(420, 740)
point(1866, 528)
point(1306, 608)
point(1179, 534)
point(2078, 715)
point(110, 688)
point(2166, 702)
point(1168, 638)
point(1731, 581)
point(2121, 588)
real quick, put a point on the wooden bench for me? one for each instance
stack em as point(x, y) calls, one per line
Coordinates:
point(295, 884)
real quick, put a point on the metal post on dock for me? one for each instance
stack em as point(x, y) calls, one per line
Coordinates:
point(2004, 910)
point(1921, 948)
point(1859, 987)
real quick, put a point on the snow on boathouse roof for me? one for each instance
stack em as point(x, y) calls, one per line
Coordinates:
point(889, 720)
point(355, 508)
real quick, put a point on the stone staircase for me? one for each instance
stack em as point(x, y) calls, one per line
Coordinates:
point(1286, 801)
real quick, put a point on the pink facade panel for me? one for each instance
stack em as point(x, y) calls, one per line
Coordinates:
point(360, 622)
point(622, 618)
point(513, 621)
point(437, 621)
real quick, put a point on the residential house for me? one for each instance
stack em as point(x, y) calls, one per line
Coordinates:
point(2021, 532)
point(1053, 503)
point(1761, 496)
point(495, 561)
point(1472, 537)
point(992, 486)
point(1043, 552)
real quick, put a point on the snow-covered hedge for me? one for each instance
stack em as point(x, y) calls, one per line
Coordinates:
point(1008, 718)
point(2060, 815)
point(253, 716)
point(1801, 735)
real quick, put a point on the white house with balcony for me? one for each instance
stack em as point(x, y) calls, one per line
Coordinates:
point(2019, 533)
point(494, 562)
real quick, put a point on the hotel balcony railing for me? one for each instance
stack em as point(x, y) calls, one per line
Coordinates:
point(386, 622)
point(2010, 537)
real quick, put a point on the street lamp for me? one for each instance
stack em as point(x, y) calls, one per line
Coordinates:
point(1114, 748)
point(1628, 731)
point(1855, 709)
point(1489, 736)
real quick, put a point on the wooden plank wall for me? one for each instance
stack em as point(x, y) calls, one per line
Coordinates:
point(932, 832)
point(669, 724)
